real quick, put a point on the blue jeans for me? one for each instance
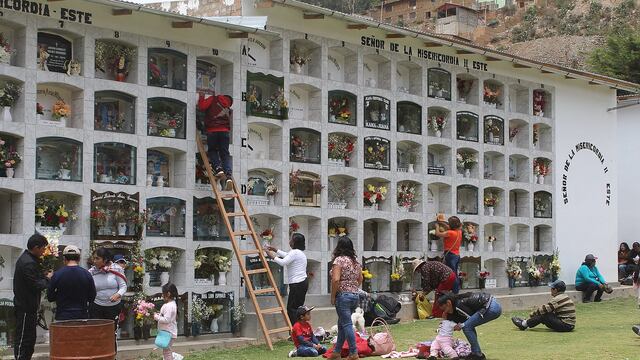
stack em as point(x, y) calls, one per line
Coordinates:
point(452, 260)
point(346, 304)
point(306, 351)
point(469, 329)
point(218, 151)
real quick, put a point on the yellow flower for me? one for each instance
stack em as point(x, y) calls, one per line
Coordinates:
point(383, 190)
point(139, 317)
point(371, 188)
point(395, 276)
point(381, 148)
point(332, 232)
point(370, 149)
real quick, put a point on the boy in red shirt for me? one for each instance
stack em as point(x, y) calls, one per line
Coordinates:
point(307, 345)
point(217, 125)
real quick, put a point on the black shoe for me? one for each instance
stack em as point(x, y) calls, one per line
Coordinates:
point(597, 300)
point(518, 322)
point(584, 301)
point(636, 329)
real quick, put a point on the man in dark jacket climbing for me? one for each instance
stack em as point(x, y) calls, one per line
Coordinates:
point(29, 280)
point(217, 125)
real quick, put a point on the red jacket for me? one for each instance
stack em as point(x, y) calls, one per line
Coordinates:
point(218, 113)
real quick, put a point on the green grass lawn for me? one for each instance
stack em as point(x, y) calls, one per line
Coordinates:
point(603, 331)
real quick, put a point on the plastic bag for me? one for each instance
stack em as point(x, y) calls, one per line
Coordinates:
point(423, 305)
point(177, 356)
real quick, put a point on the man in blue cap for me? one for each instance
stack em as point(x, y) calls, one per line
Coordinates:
point(558, 315)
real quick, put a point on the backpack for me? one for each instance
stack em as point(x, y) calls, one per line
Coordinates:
point(391, 305)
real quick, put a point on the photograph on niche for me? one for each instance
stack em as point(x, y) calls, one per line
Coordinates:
point(377, 112)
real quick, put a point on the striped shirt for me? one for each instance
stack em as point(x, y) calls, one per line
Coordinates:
point(560, 305)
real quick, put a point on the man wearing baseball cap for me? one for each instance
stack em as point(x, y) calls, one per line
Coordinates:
point(558, 315)
point(589, 279)
point(71, 287)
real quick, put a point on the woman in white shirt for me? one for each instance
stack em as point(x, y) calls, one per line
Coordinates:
point(295, 262)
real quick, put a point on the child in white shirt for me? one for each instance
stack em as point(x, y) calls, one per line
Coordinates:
point(166, 318)
point(444, 341)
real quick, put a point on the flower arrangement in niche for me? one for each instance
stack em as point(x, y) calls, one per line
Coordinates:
point(540, 205)
point(513, 269)
point(491, 94)
point(298, 147)
point(466, 160)
point(9, 156)
point(513, 132)
point(340, 147)
point(199, 310)
point(536, 134)
point(339, 109)
point(541, 167)
point(53, 212)
point(5, 50)
point(538, 102)
point(160, 259)
point(469, 234)
point(51, 253)
point(535, 271)
point(437, 122)
point(464, 87)
point(252, 98)
point(271, 186)
point(491, 130)
point(398, 272)
point(298, 57)
point(216, 310)
point(555, 263)
point(115, 58)
point(366, 274)
point(483, 274)
point(222, 261)
point(165, 123)
point(491, 239)
point(293, 226)
point(10, 93)
point(376, 153)
point(374, 194)
point(338, 191)
point(407, 196)
point(338, 230)
point(61, 110)
point(294, 179)
point(267, 234)
point(491, 199)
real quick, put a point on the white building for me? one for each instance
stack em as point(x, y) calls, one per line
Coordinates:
point(373, 82)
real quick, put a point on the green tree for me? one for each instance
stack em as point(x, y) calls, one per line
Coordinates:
point(619, 57)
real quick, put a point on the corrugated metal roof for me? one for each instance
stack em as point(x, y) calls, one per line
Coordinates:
point(121, 4)
point(474, 48)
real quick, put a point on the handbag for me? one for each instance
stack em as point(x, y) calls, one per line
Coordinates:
point(423, 306)
point(163, 339)
point(382, 341)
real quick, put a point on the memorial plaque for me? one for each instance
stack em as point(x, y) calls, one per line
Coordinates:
point(54, 52)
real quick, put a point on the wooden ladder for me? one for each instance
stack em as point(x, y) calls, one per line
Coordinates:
point(240, 254)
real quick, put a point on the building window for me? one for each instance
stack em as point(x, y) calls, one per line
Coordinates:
point(412, 16)
point(388, 8)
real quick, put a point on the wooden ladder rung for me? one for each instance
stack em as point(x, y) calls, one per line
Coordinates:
point(279, 330)
point(229, 195)
point(242, 232)
point(274, 310)
point(264, 291)
point(235, 214)
point(250, 252)
point(256, 271)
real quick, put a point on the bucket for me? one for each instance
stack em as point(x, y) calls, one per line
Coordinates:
point(82, 339)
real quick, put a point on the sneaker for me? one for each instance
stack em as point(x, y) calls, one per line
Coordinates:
point(229, 183)
point(518, 322)
point(219, 172)
point(636, 329)
point(293, 353)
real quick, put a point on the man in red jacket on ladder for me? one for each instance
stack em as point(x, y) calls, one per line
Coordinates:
point(217, 125)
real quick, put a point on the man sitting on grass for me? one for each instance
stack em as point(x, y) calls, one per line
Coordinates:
point(558, 315)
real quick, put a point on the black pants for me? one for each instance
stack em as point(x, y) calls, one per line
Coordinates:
point(587, 289)
point(297, 295)
point(25, 339)
point(551, 321)
point(108, 313)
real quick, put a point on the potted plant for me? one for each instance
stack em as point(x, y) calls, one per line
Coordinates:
point(373, 195)
point(215, 310)
point(237, 315)
point(482, 278)
point(469, 235)
point(490, 201)
point(161, 260)
point(222, 265)
point(535, 272)
point(466, 161)
point(267, 235)
point(491, 95)
point(8, 97)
